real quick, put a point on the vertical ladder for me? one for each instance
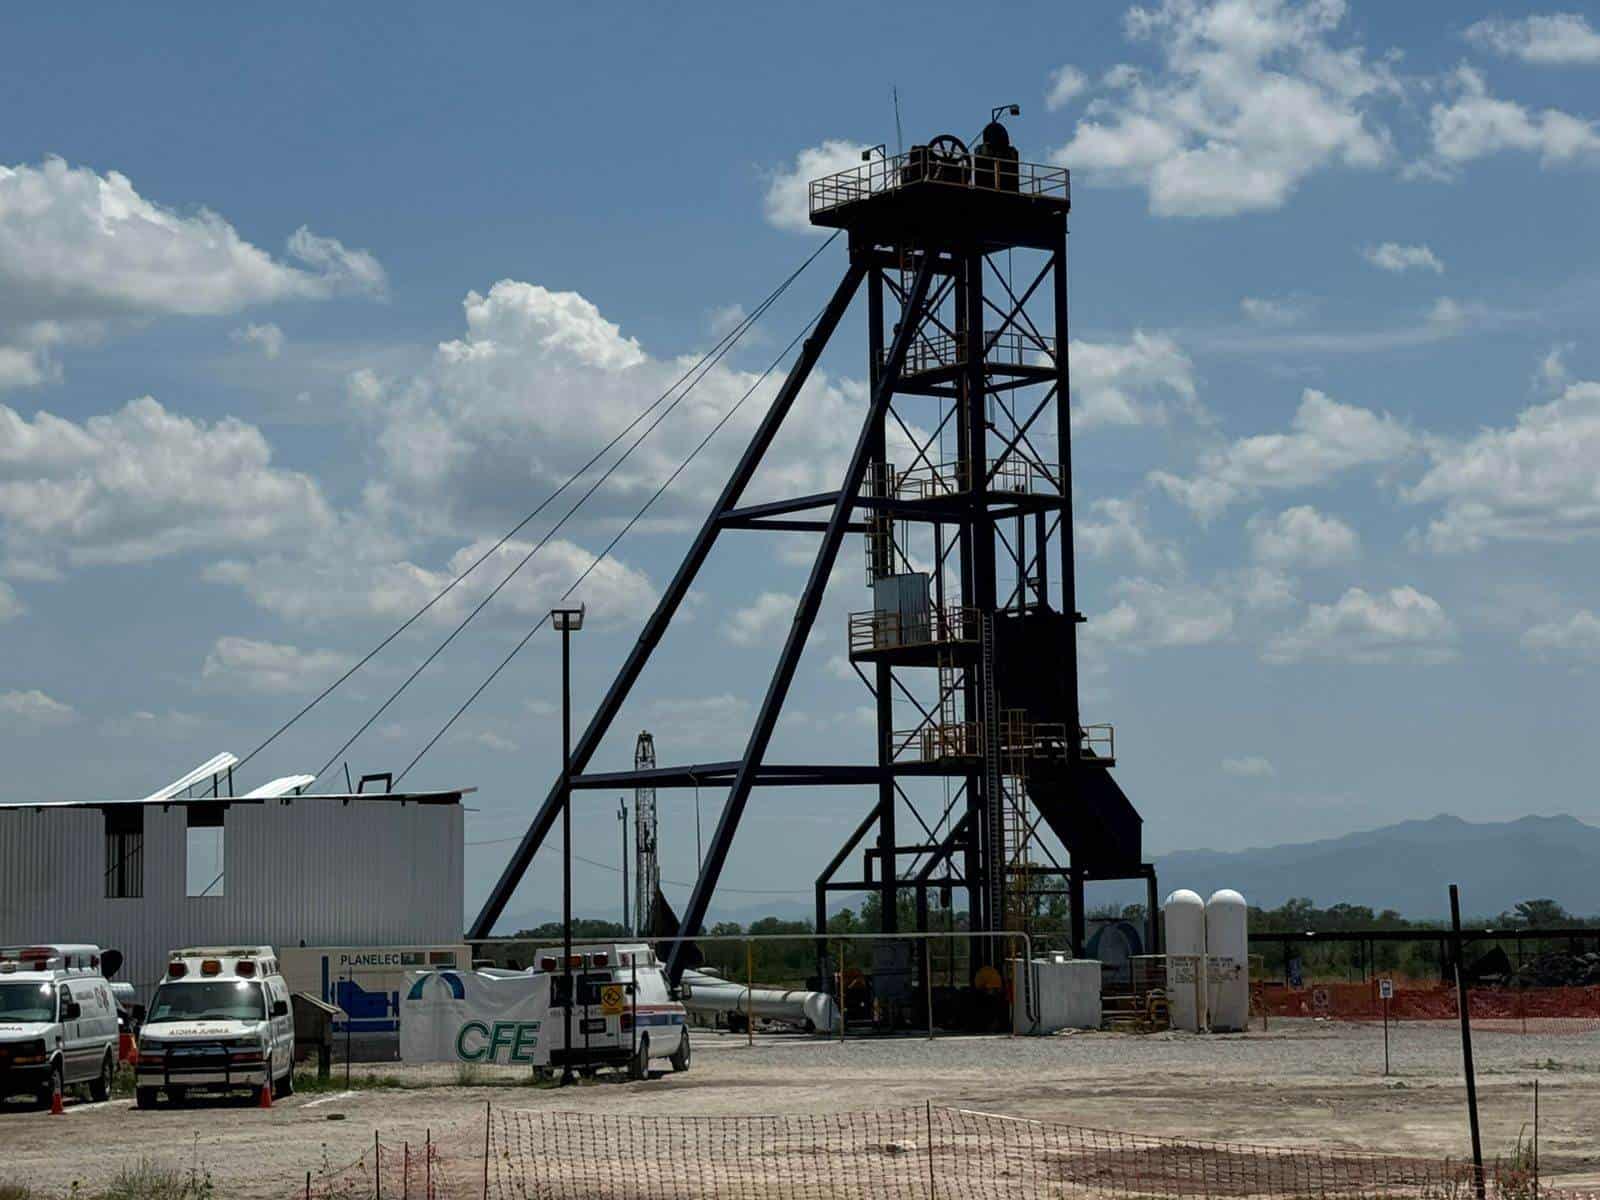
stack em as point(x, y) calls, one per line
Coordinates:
point(994, 800)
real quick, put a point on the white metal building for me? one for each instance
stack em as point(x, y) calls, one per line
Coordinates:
point(271, 867)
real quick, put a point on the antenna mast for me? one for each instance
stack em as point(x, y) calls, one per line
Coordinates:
point(647, 871)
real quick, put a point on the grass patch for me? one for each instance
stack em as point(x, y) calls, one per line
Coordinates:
point(307, 1081)
point(148, 1181)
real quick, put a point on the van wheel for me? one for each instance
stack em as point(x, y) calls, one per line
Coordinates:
point(286, 1084)
point(144, 1097)
point(639, 1064)
point(100, 1088)
point(680, 1056)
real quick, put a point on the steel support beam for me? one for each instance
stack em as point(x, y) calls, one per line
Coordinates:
point(810, 351)
point(805, 615)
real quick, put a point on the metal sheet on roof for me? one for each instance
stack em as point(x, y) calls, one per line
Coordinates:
point(206, 770)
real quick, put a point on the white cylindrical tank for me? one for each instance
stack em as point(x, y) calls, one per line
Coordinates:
point(1183, 919)
point(1228, 960)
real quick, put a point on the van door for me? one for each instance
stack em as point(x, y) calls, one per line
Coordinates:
point(282, 1026)
point(71, 1036)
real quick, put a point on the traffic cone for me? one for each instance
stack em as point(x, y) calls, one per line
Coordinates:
point(56, 1107)
point(266, 1095)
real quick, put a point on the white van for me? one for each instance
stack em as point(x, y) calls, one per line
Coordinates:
point(625, 1014)
point(58, 1021)
point(219, 1022)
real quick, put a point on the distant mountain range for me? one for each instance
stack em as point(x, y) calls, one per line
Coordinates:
point(1409, 867)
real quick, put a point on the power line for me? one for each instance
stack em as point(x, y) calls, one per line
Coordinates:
point(601, 557)
point(719, 348)
point(704, 367)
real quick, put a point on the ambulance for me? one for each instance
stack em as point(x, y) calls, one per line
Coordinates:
point(58, 1020)
point(625, 1015)
point(219, 1022)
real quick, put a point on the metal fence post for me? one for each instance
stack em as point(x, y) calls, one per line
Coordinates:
point(1466, 1042)
point(749, 993)
point(487, 1125)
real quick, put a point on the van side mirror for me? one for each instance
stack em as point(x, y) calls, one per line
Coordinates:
point(280, 1008)
point(71, 1010)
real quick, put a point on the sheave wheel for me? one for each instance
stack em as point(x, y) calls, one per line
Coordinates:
point(639, 1065)
point(680, 1056)
point(100, 1089)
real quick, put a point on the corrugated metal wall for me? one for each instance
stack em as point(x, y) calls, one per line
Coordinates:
point(321, 872)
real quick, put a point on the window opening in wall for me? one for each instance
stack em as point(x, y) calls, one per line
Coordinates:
point(206, 858)
point(125, 852)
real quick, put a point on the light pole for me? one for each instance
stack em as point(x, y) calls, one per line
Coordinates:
point(622, 824)
point(568, 621)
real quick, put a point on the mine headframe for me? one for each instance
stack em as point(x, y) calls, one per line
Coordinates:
point(960, 485)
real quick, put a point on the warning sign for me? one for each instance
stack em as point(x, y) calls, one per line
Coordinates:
point(611, 999)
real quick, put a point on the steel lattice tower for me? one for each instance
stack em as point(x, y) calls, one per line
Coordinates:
point(960, 483)
point(647, 873)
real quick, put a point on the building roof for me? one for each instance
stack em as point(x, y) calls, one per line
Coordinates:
point(449, 796)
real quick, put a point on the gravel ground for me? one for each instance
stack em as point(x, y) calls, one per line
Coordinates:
point(1304, 1083)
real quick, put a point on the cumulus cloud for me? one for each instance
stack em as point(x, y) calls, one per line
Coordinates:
point(539, 381)
point(1252, 97)
point(1533, 481)
point(1065, 85)
point(1392, 256)
point(1576, 639)
point(80, 250)
point(1115, 528)
point(1474, 124)
point(237, 663)
point(267, 338)
point(143, 483)
point(788, 199)
point(1553, 40)
point(1142, 381)
point(339, 579)
point(1302, 537)
point(1325, 439)
point(1400, 625)
point(1149, 614)
point(1251, 766)
point(762, 621)
point(30, 711)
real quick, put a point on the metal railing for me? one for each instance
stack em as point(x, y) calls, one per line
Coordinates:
point(936, 741)
point(1008, 348)
point(878, 176)
point(933, 481)
point(887, 630)
point(1099, 741)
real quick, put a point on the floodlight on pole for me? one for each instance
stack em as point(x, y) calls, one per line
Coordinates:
point(567, 621)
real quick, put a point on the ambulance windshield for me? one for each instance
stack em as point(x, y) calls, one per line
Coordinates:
point(218, 1000)
point(30, 1001)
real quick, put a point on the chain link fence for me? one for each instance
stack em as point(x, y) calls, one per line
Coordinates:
point(924, 1152)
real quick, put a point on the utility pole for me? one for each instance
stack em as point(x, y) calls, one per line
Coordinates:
point(622, 825)
point(567, 621)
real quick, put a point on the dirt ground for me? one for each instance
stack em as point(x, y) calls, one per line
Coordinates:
point(1305, 1083)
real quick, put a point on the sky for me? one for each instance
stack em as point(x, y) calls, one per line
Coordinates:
point(299, 318)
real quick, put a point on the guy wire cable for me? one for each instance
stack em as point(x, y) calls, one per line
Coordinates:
point(721, 347)
point(601, 557)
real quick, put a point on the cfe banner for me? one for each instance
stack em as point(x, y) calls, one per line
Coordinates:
point(471, 1017)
